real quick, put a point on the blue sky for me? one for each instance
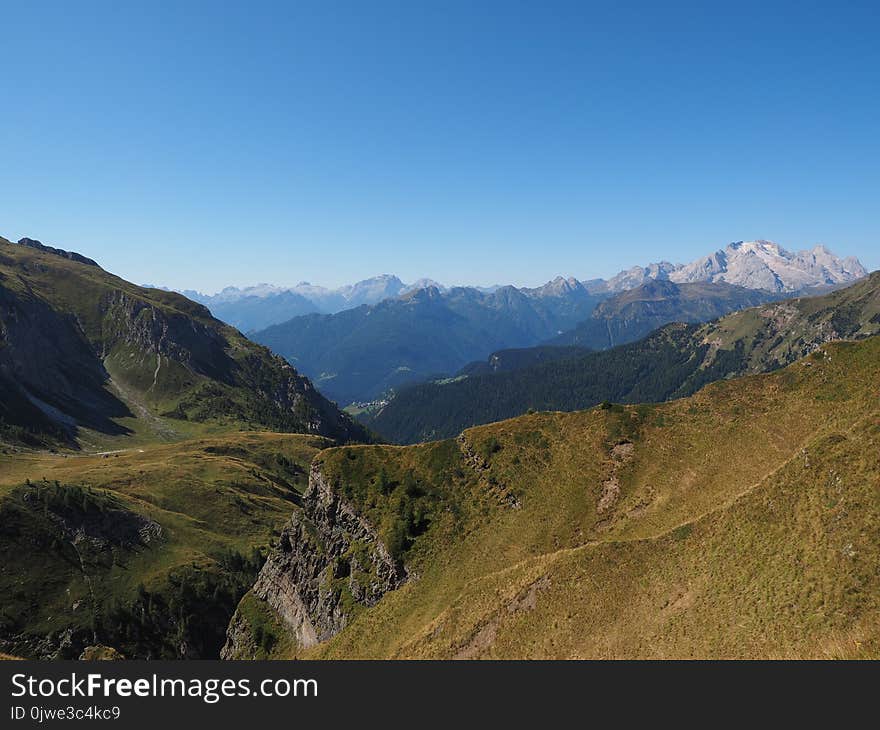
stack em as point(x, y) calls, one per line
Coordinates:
point(199, 145)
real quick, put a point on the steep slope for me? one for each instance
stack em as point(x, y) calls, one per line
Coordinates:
point(99, 358)
point(147, 551)
point(635, 313)
point(738, 522)
point(675, 360)
point(359, 354)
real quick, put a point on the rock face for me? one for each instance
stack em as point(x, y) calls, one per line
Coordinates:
point(327, 559)
point(638, 275)
point(153, 331)
point(752, 264)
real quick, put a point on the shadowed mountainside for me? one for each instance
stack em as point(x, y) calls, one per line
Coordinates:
point(84, 353)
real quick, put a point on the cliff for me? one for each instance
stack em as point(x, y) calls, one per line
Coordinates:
point(329, 562)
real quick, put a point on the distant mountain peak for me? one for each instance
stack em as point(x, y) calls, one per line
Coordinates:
point(422, 294)
point(424, 283)
point(759, 245)
point(559, 287)
point(758, 264)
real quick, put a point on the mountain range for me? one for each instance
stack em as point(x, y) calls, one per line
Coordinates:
point(760, 265)
point(256, 307)
point(363, 354)
point(633, 313)
point(753, 264)
point(673, 361)
point(360, 354)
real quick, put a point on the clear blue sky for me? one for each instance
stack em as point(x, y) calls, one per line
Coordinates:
point(216, 143)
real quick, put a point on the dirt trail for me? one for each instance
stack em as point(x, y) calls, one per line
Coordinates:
point(483, 637)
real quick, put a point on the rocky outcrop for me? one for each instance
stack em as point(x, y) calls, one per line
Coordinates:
point(100, 653)
point(70, 255)
point(241, 639)
point(328, 559)
point(482, 469)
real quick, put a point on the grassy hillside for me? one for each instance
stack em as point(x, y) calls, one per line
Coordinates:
point(146, 550)
point(676, 360)
point(87, 356)
point(743, 521)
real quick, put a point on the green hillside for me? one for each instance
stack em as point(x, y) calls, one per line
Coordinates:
point(86, 357)
point(146, 550)
point(742, 521)
point(675, 360)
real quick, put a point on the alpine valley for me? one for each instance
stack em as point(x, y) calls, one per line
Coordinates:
point(425, 331)
point(682, 461)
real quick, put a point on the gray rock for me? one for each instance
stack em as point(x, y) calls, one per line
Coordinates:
point(326, 549)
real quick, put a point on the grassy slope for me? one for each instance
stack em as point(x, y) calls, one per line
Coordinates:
point(747, 524)
point(229, 383)
point(210, 496)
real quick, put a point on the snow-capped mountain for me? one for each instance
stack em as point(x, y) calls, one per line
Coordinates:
point(371, 291)
point(759, 264)
point(423, 283)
